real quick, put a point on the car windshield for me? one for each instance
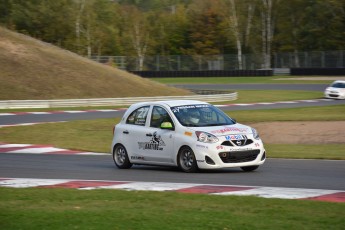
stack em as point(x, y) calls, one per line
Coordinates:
point(338, 85)
point(201, 115)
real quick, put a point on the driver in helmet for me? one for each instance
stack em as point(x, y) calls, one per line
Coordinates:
point(193, 117)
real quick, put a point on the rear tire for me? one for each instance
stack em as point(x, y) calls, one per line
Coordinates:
point(120, 157)
point(250, 168)
point(186, 160)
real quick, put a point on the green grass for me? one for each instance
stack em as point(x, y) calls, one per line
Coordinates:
point(39, 208)
point(317, 113)
point(87, 135)
point(300, 151)
point(96, 135)
point(240, 80)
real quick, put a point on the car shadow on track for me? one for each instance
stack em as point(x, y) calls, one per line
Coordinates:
point(176, 169)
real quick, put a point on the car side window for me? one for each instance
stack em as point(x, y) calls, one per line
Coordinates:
point(138, 116)
point(159, 115)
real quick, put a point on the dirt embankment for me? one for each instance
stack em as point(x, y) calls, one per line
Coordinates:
point(302, 132)
point(34, 70)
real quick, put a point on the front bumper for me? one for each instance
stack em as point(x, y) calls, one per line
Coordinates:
point(215, 156)
point(333, 95)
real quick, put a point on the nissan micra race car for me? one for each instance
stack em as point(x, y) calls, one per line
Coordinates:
point(189, 134)
point(336, 90)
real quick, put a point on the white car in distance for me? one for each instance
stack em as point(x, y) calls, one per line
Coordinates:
point(189, 134)
point(336, 90)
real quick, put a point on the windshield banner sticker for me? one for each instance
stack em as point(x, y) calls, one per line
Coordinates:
point(176, 109)
point(155, 143)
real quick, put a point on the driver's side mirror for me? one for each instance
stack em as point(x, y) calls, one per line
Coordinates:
point(234, 120)
point(167, 125)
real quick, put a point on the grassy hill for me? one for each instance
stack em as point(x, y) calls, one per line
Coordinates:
point(31, 69)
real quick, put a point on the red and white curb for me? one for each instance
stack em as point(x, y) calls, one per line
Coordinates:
point(265, 192)
point(41, 149)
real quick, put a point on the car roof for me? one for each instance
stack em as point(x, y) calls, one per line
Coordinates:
point(339, 81)
point(170, 103)
point(173, 103)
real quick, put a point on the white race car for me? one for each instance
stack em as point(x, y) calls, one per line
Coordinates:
point(336, 90)
point(189, 134)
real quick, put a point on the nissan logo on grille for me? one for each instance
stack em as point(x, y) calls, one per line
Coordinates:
point(239, 143)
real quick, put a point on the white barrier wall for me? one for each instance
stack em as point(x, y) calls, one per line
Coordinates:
point(13, 104)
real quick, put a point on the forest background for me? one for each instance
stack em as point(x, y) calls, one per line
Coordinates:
point(180, 27)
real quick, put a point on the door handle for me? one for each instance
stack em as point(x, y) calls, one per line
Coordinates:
point(149, 134)
point(125, 132)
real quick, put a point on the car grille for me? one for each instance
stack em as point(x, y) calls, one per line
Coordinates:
point(227, 143)
point(239, 143)
point(333, 95)
point(239, 156)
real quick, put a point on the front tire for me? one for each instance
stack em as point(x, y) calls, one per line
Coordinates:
point(186, 160)
point(250, 168)
point(120, 157)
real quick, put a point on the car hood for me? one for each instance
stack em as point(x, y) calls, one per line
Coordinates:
point(224, 129)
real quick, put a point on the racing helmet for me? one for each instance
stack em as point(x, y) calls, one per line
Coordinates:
point(193, 117)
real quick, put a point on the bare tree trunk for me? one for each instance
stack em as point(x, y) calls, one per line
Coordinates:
point(88, 39)
point(81, 5)
point(267, 31)
point(140, 44)
point(296, 58)
point(295, 40)
point(251, 10)
point(264, 39)
point(235, 28)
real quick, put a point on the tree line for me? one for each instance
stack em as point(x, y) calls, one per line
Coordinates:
point(180, 27)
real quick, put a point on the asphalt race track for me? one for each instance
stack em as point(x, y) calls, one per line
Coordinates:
point(314, 174)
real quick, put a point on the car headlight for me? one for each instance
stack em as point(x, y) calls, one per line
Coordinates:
point(206, 137)
point(255, 134)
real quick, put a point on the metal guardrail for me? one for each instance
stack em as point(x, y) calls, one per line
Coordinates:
point(15, 104)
